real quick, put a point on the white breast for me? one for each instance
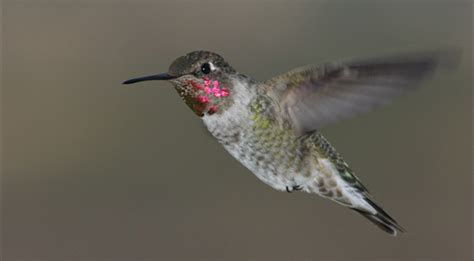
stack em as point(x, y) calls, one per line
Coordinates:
point(237, 115)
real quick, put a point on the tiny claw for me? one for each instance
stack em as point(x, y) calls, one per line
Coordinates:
point(293, 188)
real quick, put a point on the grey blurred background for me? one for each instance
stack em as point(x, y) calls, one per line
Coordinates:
point(94, 170)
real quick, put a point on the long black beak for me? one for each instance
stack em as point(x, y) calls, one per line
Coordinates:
point(156, 77)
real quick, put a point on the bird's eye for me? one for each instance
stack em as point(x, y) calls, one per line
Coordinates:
point(206, 68)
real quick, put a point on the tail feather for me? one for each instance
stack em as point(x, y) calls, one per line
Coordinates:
point(381, 219)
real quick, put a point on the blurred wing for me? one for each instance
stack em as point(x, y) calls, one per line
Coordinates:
point(312, 97)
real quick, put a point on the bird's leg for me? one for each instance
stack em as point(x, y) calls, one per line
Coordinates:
point(293, 188)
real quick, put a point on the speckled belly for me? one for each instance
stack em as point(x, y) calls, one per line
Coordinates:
point(274, 155)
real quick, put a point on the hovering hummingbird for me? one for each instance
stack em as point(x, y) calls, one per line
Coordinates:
point(272, 127)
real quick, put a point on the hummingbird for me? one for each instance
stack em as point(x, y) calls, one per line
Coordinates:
point(273, 127)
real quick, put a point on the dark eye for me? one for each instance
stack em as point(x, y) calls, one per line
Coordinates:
point(206, 68)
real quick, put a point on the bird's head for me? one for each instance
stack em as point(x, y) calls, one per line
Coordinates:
point(201, 78)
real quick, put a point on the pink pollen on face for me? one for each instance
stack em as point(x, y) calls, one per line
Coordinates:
point(216, 91)
point(209, 87)
point(203, 99)
point(212, 110)
point(224, 92)
point(196, 85)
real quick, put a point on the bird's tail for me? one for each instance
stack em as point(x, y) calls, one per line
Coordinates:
point(381, 219)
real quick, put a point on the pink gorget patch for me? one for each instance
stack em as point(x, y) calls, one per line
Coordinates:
point(209, 93)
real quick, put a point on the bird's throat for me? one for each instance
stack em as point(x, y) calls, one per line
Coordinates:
point(205, 97)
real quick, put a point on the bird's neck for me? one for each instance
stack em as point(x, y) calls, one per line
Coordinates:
point(234, 114)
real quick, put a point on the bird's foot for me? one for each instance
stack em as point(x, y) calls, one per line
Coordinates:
point(293, 188)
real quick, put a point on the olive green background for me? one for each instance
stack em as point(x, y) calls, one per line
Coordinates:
point(94, 170)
